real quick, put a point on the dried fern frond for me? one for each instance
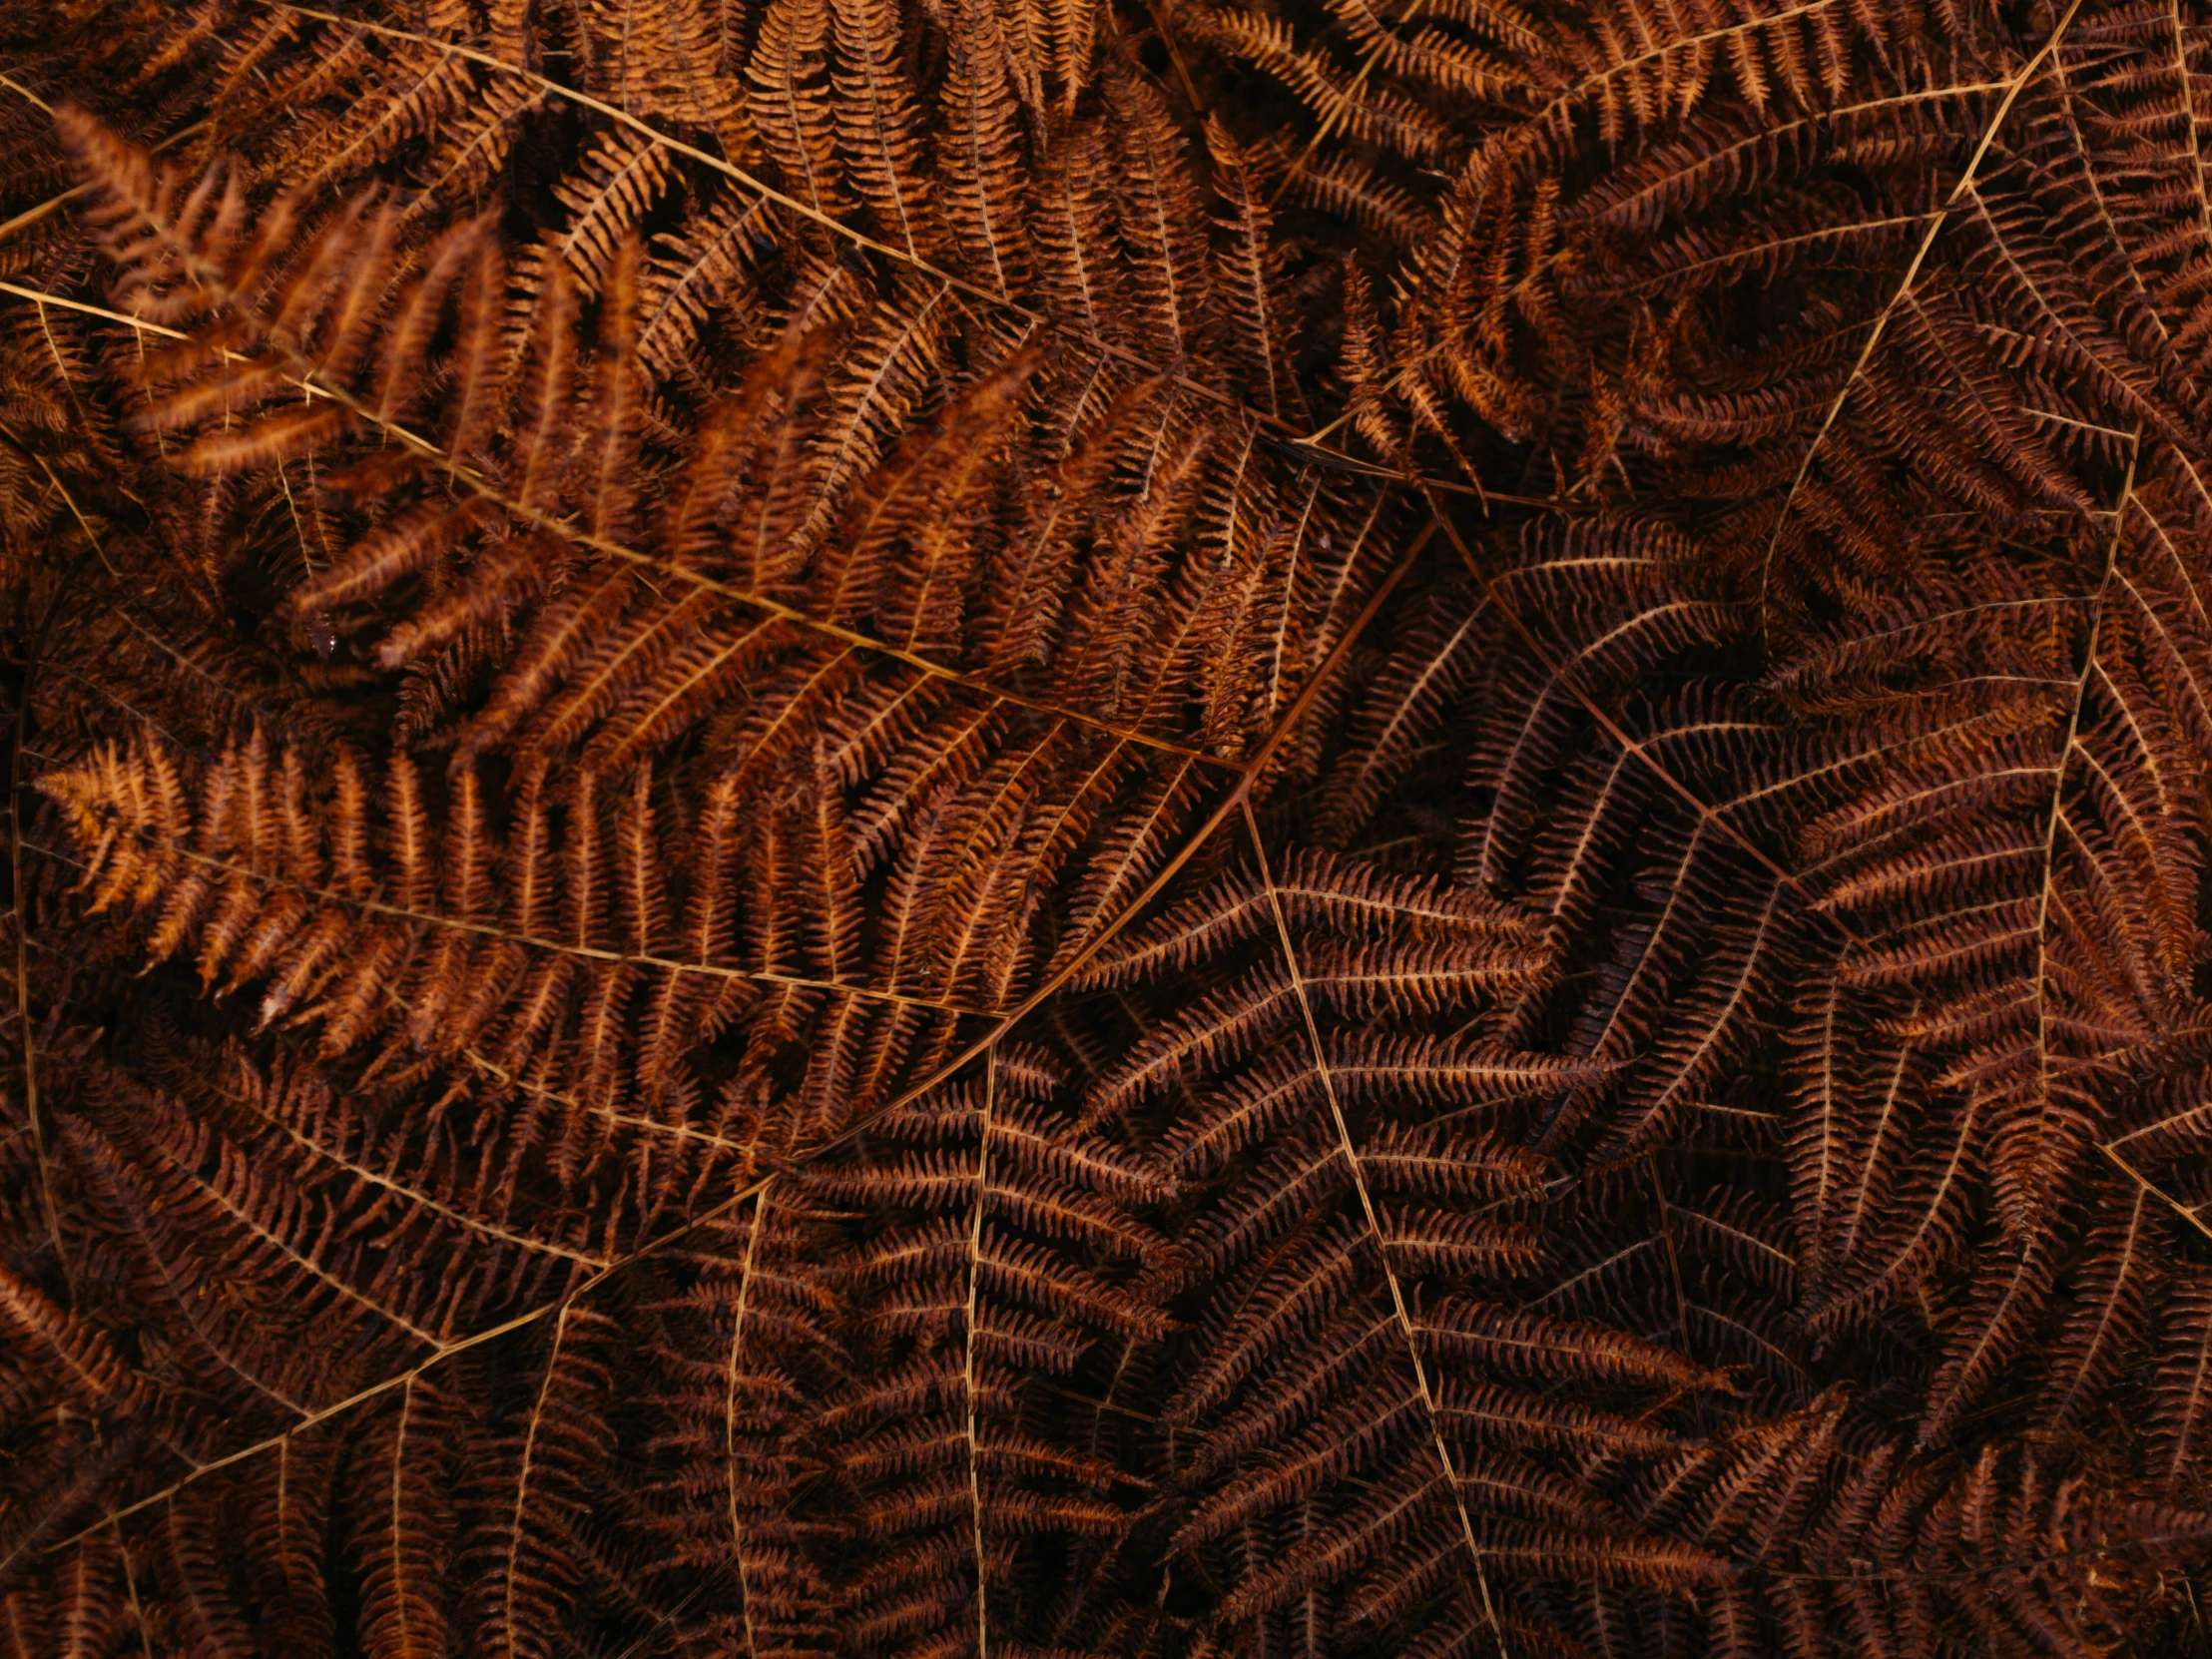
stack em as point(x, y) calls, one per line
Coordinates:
point(1058, 829)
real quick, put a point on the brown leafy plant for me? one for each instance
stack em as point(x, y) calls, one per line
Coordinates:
point(1140, 830)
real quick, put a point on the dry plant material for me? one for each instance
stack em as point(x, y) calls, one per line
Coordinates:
point(1098, 829)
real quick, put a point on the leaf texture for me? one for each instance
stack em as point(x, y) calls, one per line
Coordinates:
point(1030, 827)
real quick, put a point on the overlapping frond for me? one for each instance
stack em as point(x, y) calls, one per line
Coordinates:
point(1036, 828)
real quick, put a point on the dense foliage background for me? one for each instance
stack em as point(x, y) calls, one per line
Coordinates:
point(1093, 828)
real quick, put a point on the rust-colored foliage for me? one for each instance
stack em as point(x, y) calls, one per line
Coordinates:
point(1147, 830)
